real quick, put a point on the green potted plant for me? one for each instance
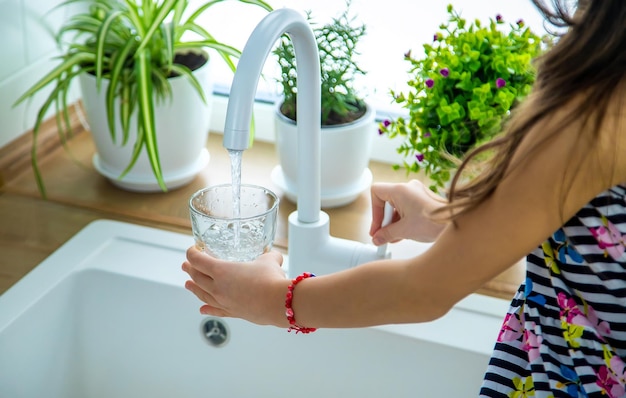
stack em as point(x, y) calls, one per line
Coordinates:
point(461, 90)
point(131, 56)
point(347, 121)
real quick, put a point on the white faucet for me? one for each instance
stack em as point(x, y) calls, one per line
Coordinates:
point(310, 246)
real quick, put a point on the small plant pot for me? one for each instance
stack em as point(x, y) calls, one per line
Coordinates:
point(345, 154)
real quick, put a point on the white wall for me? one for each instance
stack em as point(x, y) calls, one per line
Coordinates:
point(27, 47)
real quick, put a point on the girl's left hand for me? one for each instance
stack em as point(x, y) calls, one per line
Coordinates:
point(253, 291)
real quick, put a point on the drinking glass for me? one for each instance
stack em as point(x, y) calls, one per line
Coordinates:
point(234, 226)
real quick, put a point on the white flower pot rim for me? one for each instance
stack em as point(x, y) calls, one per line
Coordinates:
point(368, 111)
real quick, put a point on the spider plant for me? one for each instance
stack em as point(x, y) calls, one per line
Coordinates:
point(133, 44)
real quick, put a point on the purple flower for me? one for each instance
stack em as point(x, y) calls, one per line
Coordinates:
point(444, 72)
point(436, 37)
point(419, 157)
point(498, 18)
point(500, 82)
point(429, 83)
point(385, 124)
point(427, 134)
point(520, 23)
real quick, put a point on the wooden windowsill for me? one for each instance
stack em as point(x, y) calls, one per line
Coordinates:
point(32, 228)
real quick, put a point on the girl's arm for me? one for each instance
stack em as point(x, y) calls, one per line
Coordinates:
point(551, 183)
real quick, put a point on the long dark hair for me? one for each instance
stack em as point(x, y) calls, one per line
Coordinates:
point(590, 58)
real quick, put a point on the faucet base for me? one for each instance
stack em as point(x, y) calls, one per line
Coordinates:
point(313, 249)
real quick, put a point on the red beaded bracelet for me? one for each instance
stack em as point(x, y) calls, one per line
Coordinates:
point(291, 317)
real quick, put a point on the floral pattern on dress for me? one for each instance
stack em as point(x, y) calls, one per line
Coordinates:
point(549, 258)
point(612, 377)
point(572, 384)
point(532, 342)
point(610, 239)
point(565, 249)
point(574, 321)
point(532, 295)
point(564, 333)
point(523, 387)
point(571, 314)
point(512, 327)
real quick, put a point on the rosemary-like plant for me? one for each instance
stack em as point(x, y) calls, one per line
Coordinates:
point(337, 45)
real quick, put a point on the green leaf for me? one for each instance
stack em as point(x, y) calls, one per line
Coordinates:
point(168, 37)
point(139, 144)
point(161, 88)
point(100, 43)
point(161, 14)
point(65, 67)
point(62, 83)
point(135, 18)
point(80, 23)
point(62, 113)
point(266, 6)
point(179, 10)
point(114, 82)
point(148, 9)
point(143, 72)
point(126, 110)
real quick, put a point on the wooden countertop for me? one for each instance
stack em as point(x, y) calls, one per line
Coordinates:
point(32, 228)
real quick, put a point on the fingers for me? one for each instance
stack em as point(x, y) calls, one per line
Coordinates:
point(195, 255)
point(198, 265)
point(201, 261)
point(386, 235)
point(201, 294)
point(380, 195)
point(198, 276)
point(213, 311)
point(231, 289)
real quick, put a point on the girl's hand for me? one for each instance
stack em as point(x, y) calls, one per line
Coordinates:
point(253, 291)
point(413, 202)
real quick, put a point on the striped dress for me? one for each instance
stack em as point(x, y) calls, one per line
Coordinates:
point(565, 332)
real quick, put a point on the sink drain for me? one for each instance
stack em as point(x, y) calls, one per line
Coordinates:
point(215, 331)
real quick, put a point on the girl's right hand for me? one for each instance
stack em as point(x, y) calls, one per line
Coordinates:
point(413, 203)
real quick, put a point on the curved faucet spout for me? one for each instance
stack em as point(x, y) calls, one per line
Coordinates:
point(311, 248)
point(243, 89)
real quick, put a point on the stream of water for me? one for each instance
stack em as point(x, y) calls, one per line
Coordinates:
point(235, 170)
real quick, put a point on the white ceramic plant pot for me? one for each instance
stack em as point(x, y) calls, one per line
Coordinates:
point(182, 127)
point(345, 153)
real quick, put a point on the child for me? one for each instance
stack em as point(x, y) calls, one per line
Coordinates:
point(554, 188)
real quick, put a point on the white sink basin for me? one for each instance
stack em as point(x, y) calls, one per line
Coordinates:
point(107, 316)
